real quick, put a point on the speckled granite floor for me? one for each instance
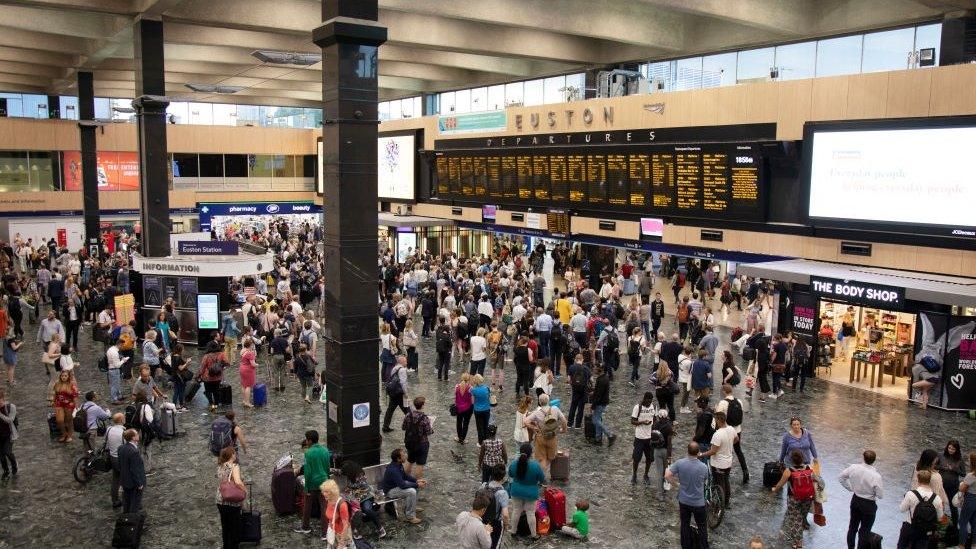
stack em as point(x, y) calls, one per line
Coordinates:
point(45, 507)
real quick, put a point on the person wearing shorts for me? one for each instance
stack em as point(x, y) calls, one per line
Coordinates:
point(642, 418)
point(416, 430)
point(546, 437)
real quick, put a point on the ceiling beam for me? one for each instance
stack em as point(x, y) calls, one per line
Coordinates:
point(792, 17)
point(24, 79)
point(36, 57)
point(55, 21)
point(852, 15)
point(114, 7)
point(25, 39)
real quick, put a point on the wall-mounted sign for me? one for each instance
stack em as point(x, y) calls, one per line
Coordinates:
point(605, 225)
point(488, 213)
point(116, 171)
point(213, 247)
point(863, 293)
point(209, 210)
point(652, 226)
point(208, 312)
point(533, 221)
point(473, 122)
point(216, 266)
point(568, 117)
point(360, 415)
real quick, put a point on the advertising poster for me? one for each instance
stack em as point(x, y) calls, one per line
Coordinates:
point(930, 341)
point(360, 415)
point(804, 316)
point(959, 369)
point(208, 311)
point(171, 285)
point(188, 293)
point(117, 171)
point(125, 309)
point(152, 291)
point(62, 238)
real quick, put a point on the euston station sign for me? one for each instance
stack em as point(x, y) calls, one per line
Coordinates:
point(859, 292)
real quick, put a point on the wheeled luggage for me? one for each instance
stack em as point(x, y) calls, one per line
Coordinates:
point(559, 469)
point(225, 396)
point(251, 521)
point(260, 394)
point(556, 502)
point(772, 472)
point(128, 530)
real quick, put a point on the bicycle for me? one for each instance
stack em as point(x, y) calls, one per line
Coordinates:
point(94, 461)
point(714, 499)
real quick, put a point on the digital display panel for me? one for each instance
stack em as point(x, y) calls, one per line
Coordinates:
point(540, 176)
point(493, 166)
point(576, 175)
point(509, 177)
point(618, 192)
point(640, 177)
point(443, 176)
point(559, 185)
point(467, 176)
point(480, 177)
point(557, 222)
point(208, 311)
point(524, 166)
point(596, 178)
point(395, 172)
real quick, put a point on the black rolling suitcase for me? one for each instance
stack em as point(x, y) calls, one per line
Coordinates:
point(192, 387)
point(225, 396)
point(871, 541)
point(589, 430)
point(772, 472)
point(250, 521)
point(128, 530)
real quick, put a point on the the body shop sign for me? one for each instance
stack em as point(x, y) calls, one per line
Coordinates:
point(862, 293)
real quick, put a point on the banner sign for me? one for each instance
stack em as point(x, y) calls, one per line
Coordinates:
point(804, 315)
point(862, 293)
point(125, 309)
point(473, 122)
point(213, 247)
point(959, 368)
point(210, 209)
point(116, 171)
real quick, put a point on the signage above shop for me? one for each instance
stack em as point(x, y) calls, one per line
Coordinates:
point(213, 247)
point(859, 292)
point(550, 118)
point(209, 210)
point(473, 122)
point(226, 266)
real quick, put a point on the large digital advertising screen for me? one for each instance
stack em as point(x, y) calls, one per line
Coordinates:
point(396, 174)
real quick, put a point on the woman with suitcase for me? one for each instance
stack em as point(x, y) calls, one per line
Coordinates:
point(230, 497)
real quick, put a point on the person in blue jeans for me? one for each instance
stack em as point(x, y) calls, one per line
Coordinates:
point(691, 474)
point(579, 383)
point(599, 402)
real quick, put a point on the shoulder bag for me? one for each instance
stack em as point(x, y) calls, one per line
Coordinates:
point(230, 492)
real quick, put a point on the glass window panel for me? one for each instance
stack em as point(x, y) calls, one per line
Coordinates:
point(533, 94)
point(249, 114)
point(753, 64)
point(578, 84)
point(260, 165)
point(479, 99)
point(384, 110)
point(200, 114)
point(211, 165)
point(14, 171)
point(178, 112)
point(187, 164)
point(266, 116)
point(796, 61)
point(284, 165)
point(314, 118)
point(35, 106)
point(103, 109)
point(514, 93)
point(887, 50)
point(69, 107)
point(224, 115)
point(235, 165)
point(552, 92)
point(15, 104)
point(662, 71)
point(837, 56)
point(496, 98)
point(395, 112)
point(929, 36)
point(305, 165)
point(42, 172)
point(406, 108)
point(689, 74)
point(121, 109)
point(447, 102)
point(417, 106)
point(462, 101)
point(718, 70)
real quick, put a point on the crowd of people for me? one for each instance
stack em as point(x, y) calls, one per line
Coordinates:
point(566, 335)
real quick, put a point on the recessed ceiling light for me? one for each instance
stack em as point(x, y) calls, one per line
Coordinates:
point(213, 88)
point(287, 58)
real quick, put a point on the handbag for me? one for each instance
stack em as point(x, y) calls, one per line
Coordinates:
point(452, 409)
point(749, 354)
point(958, 499)
point(493, 400)
point(231, 492)
point(330, 535)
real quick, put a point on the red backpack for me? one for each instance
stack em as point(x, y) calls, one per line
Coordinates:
point(801, 484)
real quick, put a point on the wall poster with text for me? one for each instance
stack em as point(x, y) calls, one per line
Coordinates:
point(930, 342)
point(959, 368)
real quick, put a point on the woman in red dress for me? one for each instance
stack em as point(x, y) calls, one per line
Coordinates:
point(248, 367)
point(63, 397)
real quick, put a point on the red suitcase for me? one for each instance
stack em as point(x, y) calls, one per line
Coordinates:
point(556, 501)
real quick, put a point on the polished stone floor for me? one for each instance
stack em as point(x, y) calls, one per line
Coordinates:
point(45, 507)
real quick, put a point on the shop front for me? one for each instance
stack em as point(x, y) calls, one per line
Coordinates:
point(226, 218)
point(900, 334)
point(409, 234)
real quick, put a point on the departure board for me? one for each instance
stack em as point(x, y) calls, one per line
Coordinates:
point(713, 180)
point(618, 192)
point(480, 176)
point(454, 175)
point(493, 165)
point(714, 177)
point(509, 177)
point(443, 178)
point(576, 176)
point(664, 189)
point(596, 178)
point(540, 176)
point(557, 178)
point(524, 163)
point(687, 169)
point(640, 176)
point(557, 222)
point(467, 176)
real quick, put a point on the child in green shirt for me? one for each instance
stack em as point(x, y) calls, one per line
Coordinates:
point(579, 524)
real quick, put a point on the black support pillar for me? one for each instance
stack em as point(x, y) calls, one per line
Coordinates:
point(89, 162)
point(349, 38)
point(150, 105)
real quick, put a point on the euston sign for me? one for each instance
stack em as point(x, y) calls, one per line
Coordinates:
point(859, 292)
point(212, 247)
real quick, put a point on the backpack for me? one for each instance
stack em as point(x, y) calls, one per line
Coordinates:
point(801, 485)
point(493, 512)
point(221, 435)
point(80, 421)
point(925, 518)
point(733, 414)
point(412, 429)
point(392, 385)
point(683, 313)
point(580, 381)
point(214, 369)
point(613, 341)
point(103, 364)
point(549, 425)
point(633, 349)
point(443, 339)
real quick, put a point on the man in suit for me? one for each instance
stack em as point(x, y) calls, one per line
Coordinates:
point(132, 472)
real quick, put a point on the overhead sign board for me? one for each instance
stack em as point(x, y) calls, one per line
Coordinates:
point(212, 247)
point(210, 209)
point(863, 293)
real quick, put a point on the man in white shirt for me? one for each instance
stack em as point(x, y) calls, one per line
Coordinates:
point(721, 453)
point(518, 311)
point(864, 481)
point(642, 417)
point(114, 359)
point(733, 410)
point(114, 441)
point(543, 326)
point(911, 535)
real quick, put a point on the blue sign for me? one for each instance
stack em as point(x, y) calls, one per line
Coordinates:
point(208, 247)
point(210, 209)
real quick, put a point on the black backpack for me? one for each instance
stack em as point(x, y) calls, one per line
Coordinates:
point(733, 414)
point(493, 512)
point(443, 339)
point(613, 341)
point(579, 380)
point(393, 386)
point(925, 518)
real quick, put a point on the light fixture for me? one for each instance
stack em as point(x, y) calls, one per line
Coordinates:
point(287, 58)
point(214, 88)
point(124, 110)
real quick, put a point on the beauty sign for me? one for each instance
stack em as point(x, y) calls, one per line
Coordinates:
point(960, 364)
point(861, 293)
